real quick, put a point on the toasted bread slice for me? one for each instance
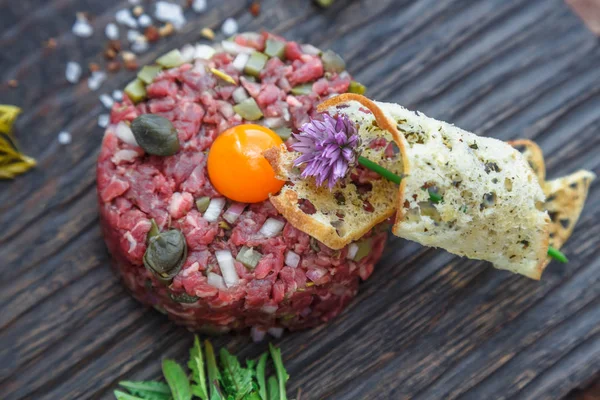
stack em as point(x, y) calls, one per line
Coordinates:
point(534, 156)
point(349, 211)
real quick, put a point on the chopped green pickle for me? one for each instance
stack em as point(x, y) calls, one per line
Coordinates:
point(171, 59)
point(202, 204)
point(255, 64)
point(364, 249)
point(148, 73)
point(284, 133)
point(275, 48)
point(223, 76)
point(136, 90)
point(302, 89)
point(248, 109)
point(249, 257)
point(332, 62)
point(357, 88)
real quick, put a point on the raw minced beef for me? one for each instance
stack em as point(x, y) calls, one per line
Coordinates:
point(134, 188)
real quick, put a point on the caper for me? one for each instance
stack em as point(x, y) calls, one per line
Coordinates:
point(165, 255)
point(155, 134)
point(183, 297)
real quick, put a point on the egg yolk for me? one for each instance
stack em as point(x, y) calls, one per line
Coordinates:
point(236, 166)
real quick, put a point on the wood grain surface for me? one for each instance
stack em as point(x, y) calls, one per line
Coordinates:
point(427, 325)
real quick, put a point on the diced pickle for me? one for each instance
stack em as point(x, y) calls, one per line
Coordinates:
point(255, 63)
point(248, 109)
point(275, 48)
point(171, 59)
point(202, 204)
point(364, 249)
point(332, 62)
point(148, 73)
point(249, 257)
point(302, 89)
point(284, 133)
point(136, 90)
point(357, 88)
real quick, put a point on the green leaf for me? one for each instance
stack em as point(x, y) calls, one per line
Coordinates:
point(213, 372)
point(282, 375)
point(196, 365)
point(260, 376)
point(236, 379)
point(148, 390)
point(124, 396)
point(252, 396)
point(273, 388)
point(177, 380)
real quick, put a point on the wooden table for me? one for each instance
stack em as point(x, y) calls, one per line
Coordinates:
point(427, 325)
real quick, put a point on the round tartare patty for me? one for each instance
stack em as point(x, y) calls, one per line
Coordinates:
point(298, 282)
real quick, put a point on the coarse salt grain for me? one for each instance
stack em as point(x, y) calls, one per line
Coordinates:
point(96, 79)
point(64, 137)
point(117, 95)
point(168, 12)
point(73, 72)
point(134, 2)
point(82, 27)
point(140, 45)
point(106, 100)
point(132, 35)
point(229, 27)
point(103, 120)
point(112, 31)
point(124, 17)
point(199, 6)
point(144, 20)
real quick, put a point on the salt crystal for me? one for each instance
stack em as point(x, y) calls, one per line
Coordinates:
point(111, 31)
point(64, 137)
point(103, 120)
point(96, 79)
point(73, 72)
point(124, 17)
point(82, 28)
point(140, 45)
point(187, 52)
point(199, 6)
point(117, 95)
point(230, 27)
point(132, 35)
point(106, 100)
point(134, 2)
point(168, 12)
point(144, 20)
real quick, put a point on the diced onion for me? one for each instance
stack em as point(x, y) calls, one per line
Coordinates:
point(214, 209)
point(239, 94)
point(125, 133)
point(352, 250)
point(203, 51)
point(258, 335)
point(234, 48)
point(188, 52)
point(310, 49)
point(275, 332)
point(271, 227)
point(274, 122)
point(292, 259)
point(233, 212)
point(240, 61)
point(216, 280)
point(225, 260)
point(269, 309)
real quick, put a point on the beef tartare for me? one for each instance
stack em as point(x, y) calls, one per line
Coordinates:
point(244, 265)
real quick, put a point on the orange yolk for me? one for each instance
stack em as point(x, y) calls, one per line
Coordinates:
point(236, 166)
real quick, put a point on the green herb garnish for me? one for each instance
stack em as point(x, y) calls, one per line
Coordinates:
point(210, 378)
point(389, 175)
point(434, 196)
point(557, 255)
point(12, 161)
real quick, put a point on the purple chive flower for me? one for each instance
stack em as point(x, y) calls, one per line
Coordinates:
point(329, 148)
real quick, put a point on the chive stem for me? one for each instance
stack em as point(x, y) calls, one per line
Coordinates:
point(389, 175)
point(557, 255)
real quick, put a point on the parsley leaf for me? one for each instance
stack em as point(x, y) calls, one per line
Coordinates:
point(124, 396)
point(196, 364)
point(148, 390)
point(273, 388)
point(260, 376)
point(236, 380)
point(213, 372)
point(177, 380)
point(282, 375)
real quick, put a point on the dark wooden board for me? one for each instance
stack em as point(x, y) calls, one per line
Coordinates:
point(427, 325)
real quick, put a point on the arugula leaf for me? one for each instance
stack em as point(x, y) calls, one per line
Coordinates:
point(236, 379)
point(282, 375)
point(148, 390)
point(213, 372)
point(273, 388)
point(177, 380)
point(124, 396)
point(196, 364)
point(260, 375)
